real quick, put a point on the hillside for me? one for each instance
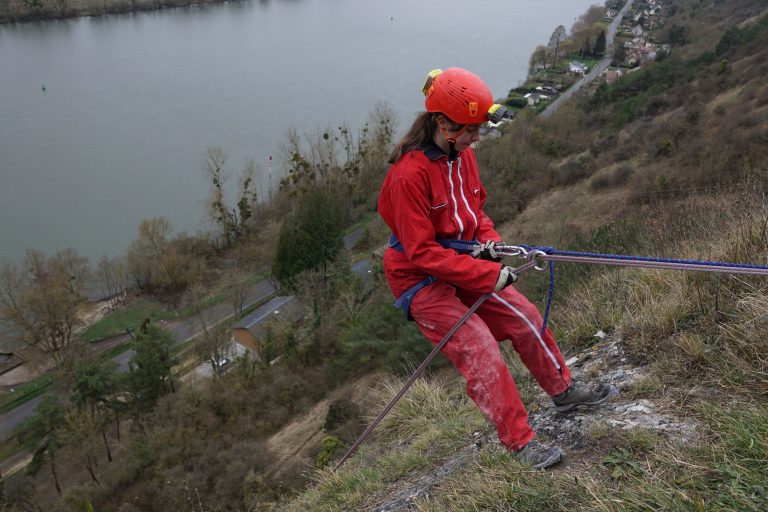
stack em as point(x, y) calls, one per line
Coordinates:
point(669, 161)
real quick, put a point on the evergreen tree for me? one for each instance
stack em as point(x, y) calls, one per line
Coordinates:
point(311, 238)
point(599, 48)
point(94, 388)
point(150, 367)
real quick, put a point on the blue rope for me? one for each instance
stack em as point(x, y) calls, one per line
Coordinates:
point(553, 251)
point(619, 257)
point(549, 296)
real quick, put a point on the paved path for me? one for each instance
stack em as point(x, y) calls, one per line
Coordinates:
point(597, 69)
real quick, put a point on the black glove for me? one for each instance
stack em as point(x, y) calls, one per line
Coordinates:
point(487, 251)
point(506, 278)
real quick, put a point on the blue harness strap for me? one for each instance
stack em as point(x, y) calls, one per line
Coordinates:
point(460, 246)
point(404, 301)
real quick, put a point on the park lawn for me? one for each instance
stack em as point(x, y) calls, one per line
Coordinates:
point(130, 317)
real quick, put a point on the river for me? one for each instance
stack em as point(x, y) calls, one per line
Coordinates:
point(105, 121)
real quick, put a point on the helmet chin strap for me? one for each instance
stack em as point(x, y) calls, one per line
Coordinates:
point(451, 140)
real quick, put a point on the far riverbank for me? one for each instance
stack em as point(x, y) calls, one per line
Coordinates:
point(14, 11)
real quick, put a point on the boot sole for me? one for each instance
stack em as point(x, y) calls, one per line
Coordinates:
point(555, 458)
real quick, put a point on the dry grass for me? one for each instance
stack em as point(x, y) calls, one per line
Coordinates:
point(563, 215)
point(429, 406)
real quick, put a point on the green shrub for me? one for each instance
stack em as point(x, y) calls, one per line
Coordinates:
point(330, 446)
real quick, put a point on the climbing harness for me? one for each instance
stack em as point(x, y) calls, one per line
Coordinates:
point(404, 301)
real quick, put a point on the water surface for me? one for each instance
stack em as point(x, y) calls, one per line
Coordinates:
point(132, 101)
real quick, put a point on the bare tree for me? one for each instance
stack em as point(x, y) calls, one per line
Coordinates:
point(352, 301)
point(538, 58)
point(80, 432)
point(238, 300)
point(176, 272)
point(41, 302)
point(301, 172)
point(154, 236)
point(220, 214)
point(214, 345)
point(215, 348)
point(112, 276)
point(145, 252)
point(247, 197)
point(232, 222)
point(557, 38)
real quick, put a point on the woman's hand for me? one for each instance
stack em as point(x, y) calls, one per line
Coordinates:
point(506, 278)
point(487, 251)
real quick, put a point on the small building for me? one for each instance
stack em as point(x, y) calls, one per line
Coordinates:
point(548, 90)
point(252, 330)
point(532, 98)
point(577, 67)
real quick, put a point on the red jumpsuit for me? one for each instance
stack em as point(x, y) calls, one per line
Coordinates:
point(426, 197)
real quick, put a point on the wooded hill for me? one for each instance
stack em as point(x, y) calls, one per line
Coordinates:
point(670, 161)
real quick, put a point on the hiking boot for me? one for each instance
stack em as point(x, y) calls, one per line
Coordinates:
point(576, 396)
point(539, 455)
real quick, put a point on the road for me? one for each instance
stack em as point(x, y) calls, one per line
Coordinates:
point(211, 317)
point(182, 331)
point(14, 417)
point(596, 70)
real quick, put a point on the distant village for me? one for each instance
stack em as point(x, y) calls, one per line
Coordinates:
point(634, 46)
point(639, 47)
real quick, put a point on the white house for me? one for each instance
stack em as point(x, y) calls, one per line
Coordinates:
point(577, 67)
point(532, 97)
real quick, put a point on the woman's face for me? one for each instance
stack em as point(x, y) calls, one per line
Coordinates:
point(468, 137)
point(465, 138)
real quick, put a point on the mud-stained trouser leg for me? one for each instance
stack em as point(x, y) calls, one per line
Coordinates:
point(474, 352)
point(509, 315)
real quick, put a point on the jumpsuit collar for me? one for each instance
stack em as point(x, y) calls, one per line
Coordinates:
point(433, 152)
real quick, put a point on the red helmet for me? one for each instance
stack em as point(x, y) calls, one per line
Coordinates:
point(459, 94)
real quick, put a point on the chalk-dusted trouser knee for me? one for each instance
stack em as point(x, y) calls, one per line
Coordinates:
point(474, 351)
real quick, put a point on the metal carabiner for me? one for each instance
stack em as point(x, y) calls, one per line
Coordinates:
point(512, 251)
point(540, 258)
